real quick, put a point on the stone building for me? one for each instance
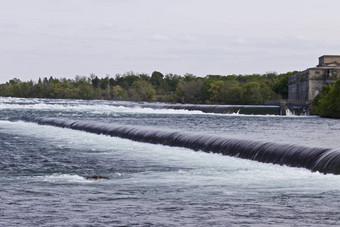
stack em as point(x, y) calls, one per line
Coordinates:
point(305, 85)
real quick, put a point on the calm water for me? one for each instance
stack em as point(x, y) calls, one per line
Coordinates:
point(43, 170)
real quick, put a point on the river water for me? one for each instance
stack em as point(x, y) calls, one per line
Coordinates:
point(44, 169)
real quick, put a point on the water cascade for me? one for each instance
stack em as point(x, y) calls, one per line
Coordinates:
point(323, 160)
point(298, 110)
point(221, 109)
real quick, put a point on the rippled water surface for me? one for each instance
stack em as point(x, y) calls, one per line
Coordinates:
point(44, 170)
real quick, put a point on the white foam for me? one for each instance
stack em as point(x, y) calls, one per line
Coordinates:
point(101, 107)
point(95, 109)
point(63, 178)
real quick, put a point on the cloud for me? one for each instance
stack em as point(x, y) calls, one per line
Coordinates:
point(57, 26)
point(160, 37)
point(218, 36)
point(108, 25)
point(10, 25)
point(188, 38)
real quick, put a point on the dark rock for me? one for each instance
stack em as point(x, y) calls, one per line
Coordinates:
point(97, 178)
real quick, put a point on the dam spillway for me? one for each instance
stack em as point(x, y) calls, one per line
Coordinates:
point(323, 160)
point(220, 109)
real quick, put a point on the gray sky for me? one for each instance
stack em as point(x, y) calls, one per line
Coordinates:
point(64, 38)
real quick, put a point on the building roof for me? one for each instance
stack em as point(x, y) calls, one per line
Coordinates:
point(330, 56)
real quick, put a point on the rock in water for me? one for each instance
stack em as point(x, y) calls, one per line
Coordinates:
point(97, 178)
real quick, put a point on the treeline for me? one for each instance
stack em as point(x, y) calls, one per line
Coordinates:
point(212, 89)
point(327, 103)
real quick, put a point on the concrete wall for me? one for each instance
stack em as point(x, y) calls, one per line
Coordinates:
point(298, 86)
point(316, 82)
point(305, 85)
point(318, 77)
point(328, 59)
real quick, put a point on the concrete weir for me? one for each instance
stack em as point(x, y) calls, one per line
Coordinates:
point(221, 109)
point(287, 107)
point(323, 160)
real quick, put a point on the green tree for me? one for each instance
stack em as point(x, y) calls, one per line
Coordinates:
point(172, 81)
point(156, 79)
point(328, 101)
point(142, 91)
point(94, 80)
point(216, 91)
point(85, 91)
point(231, 89)
point(126, 81)
point(234, 95)
point(118, 93)
point(281, 85)
point(252, 93)
point(267, 93)
point(190, 92)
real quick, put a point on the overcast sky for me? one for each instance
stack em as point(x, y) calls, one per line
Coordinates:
point(64, 38)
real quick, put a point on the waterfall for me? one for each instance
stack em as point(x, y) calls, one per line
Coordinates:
point(222, 109)
point(323, 160)
point(297, 110)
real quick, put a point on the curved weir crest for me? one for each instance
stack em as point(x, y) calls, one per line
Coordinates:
point(323, 160)
point(220, 109)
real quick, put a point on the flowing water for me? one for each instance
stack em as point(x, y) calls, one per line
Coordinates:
point(44, 169)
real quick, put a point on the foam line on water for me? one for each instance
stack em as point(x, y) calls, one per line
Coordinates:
point(114, 107)
point(98, 109)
